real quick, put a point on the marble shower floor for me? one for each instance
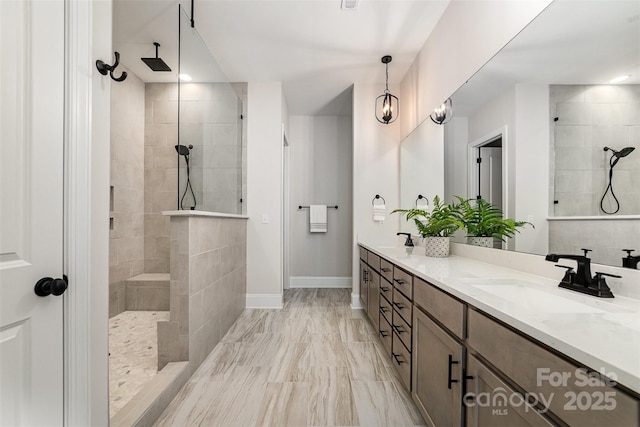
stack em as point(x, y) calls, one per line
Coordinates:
point(316, 362)
point(133, 348)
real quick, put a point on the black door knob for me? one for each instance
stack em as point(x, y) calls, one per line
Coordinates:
point(48, 286)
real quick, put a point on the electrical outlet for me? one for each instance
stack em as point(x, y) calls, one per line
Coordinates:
point(265, 219)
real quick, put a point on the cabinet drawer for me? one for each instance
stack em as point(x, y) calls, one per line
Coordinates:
point(363, 254)
point(449, 311)
point(386, 289)
point(402, 306)
point(386, 269)
point(385, 308)
point(530, 366)
point(489, 401)
point(401, 358)
point(403, 282)
point(386, 335)
point(374, 261)
point(402, 329)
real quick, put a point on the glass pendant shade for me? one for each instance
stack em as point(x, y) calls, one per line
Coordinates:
point(387, 107)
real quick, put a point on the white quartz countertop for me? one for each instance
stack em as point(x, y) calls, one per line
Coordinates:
point(601, 333)
point(203, 213)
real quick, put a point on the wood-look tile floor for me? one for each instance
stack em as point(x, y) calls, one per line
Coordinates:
point(316, 362)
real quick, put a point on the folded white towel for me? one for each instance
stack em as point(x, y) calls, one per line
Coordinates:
point(318, 218)
point(379, 212)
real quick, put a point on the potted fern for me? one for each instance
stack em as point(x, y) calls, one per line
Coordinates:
point(485, 222)
point(436, 226)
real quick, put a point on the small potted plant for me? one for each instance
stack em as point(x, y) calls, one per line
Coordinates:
point(484, 222)
point(436, 226)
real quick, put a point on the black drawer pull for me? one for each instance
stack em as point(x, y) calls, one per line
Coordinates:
point(383, 310)
point(384, 289)
point(385, 269)
point(384, 334)
point(400, 306)
point(449, 379)
point(399, 330)
point(399, 281)
point(397, 357)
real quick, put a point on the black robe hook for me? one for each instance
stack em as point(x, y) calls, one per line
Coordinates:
point(106, 68)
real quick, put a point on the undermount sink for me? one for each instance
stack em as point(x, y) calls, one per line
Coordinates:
point(538, 300)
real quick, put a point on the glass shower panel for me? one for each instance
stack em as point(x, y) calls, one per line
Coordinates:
point(210, 138)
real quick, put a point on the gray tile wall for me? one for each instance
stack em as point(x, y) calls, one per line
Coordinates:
point(590, 118)
point(606, 238)
point(160, 172)
point(209, 120)
point(126, 238)
point(208, 286)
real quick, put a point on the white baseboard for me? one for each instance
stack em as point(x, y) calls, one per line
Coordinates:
point(320, 282)
point(264, 301)
point(355, 302)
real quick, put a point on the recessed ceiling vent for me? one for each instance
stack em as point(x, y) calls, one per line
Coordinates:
point(350, 4)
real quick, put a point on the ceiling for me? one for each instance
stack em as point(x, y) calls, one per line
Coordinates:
point(587, 42)
point(313, 47)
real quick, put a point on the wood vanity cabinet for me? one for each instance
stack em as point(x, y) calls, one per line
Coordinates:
point(364, 284)
point(531, 366)
point(444, 349)
point(373, 298)
point(438, 361)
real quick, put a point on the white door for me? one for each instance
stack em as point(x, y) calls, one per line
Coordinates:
point(31, 216)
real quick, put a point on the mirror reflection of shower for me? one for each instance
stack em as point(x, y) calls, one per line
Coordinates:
point(185, 151)
point(613, 160)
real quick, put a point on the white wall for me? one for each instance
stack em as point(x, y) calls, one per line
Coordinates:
point(376, 165)
point(264, 194)
point(321, 173)
point(532, 158)
point(469, 33)
point(522, 113)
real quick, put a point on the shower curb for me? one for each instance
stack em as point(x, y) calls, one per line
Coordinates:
point(149, 403)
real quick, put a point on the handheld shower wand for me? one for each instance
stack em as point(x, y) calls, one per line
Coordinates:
point(185, 151)
point(613, 160)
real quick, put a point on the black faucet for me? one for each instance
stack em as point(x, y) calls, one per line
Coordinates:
point(407, 242)
point(630, 261)
point(581, 280)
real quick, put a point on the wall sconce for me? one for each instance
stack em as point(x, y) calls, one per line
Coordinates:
point(387, 108)
point(443, 113)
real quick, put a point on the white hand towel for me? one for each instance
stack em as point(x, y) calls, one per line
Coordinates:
point(379, 212)
point(317, 218)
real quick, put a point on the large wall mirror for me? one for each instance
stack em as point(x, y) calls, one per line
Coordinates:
point(540, 115)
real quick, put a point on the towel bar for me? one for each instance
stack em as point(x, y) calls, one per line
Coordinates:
point(307, 207)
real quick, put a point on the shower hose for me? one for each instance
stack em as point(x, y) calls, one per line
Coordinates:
point(610, 190)
point(188, 188)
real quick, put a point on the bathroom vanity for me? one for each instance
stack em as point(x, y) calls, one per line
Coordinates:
point(479, 344)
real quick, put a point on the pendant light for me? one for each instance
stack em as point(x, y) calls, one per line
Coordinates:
point(387, 108)
point(443, 113)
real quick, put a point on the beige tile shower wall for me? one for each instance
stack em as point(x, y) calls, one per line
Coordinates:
point(160, 172)
point(126, 236)
point(209, 120)
point(589, 119)
point(208, 286)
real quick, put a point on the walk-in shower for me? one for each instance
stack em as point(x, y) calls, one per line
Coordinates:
point(613, 160)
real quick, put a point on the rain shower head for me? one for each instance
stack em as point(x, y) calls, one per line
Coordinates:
point(156, 64)
point(183, 150)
